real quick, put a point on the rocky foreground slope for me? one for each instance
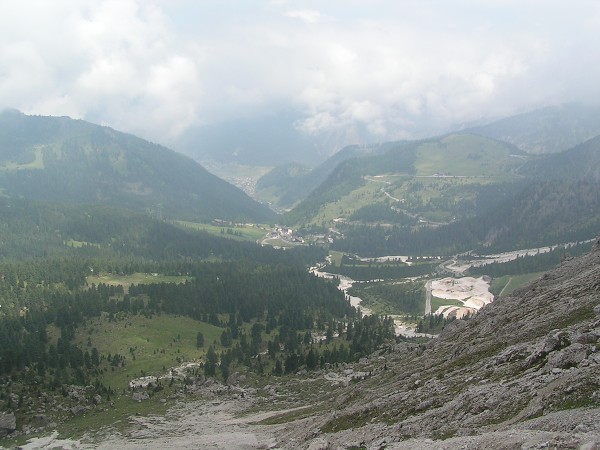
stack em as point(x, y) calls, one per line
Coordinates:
point(523, 373)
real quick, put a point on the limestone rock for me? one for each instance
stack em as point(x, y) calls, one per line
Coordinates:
point(8, 424)
point(78, 410)
point(319, 444)
point(586, 338)
point(139, 396)
point(236, 378)
point(568, 357)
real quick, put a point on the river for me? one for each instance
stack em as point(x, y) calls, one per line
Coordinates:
point(402, 328)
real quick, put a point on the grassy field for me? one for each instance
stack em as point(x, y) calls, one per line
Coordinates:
point(367, 194)
point(396, 297)
point(437, 302)
point(277, 242)
point(336, 258)
point(239, 233)
point(37, 163)
point(133, 279)
point(150, 345)
point(508, 283)
point(78, 244)
point(382, 307)
point(463, 155)
point(269, 195)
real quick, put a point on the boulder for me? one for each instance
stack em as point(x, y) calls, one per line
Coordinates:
point(319, 444)
point(139, 396)
point(78, 410)
point(586, 338)
point(568, 357)
point(8, 424)
point(555, 341)
point(236, 378)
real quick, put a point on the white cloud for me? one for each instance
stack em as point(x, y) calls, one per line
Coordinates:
point(309, 16)
point(396, 69)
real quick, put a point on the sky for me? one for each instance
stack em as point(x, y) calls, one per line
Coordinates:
point(157, 68)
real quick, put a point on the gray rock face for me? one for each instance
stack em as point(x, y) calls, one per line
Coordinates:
point(568, 357)
point(8, 424)
point(319, 444)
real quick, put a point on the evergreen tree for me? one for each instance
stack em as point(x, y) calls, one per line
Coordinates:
point(278, 370)
point(210, 366)
point(199, 340)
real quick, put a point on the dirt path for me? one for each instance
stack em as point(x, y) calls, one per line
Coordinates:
point(505, 286)
point(390, 196)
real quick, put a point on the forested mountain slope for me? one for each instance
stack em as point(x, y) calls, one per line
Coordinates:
point(579, 163)
point(403, 172)
point(527, 216)
point(288, 184)
point(547, 130)
point(63, 160)
point(37, 230)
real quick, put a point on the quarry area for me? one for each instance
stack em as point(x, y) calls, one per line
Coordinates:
point(473, 293)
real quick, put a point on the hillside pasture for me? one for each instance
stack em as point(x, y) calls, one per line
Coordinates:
point(111, 279)
point(466, 155)
point(237, 232)
point(150, 345)
point(507, 284)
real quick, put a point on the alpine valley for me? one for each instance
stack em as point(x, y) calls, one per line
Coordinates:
point(418, 294)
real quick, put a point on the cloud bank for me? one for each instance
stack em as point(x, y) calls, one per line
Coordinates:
point(393, 68)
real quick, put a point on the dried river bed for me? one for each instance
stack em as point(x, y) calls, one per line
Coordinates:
point(472, 292)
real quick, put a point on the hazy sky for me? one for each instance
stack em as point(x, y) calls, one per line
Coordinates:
point(156, 67)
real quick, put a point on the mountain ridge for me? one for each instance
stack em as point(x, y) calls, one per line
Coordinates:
point(547, 130)
point(73, 161)
point(552, 129)
point(455, 155)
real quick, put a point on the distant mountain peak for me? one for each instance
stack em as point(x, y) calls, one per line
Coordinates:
point(547, 130)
